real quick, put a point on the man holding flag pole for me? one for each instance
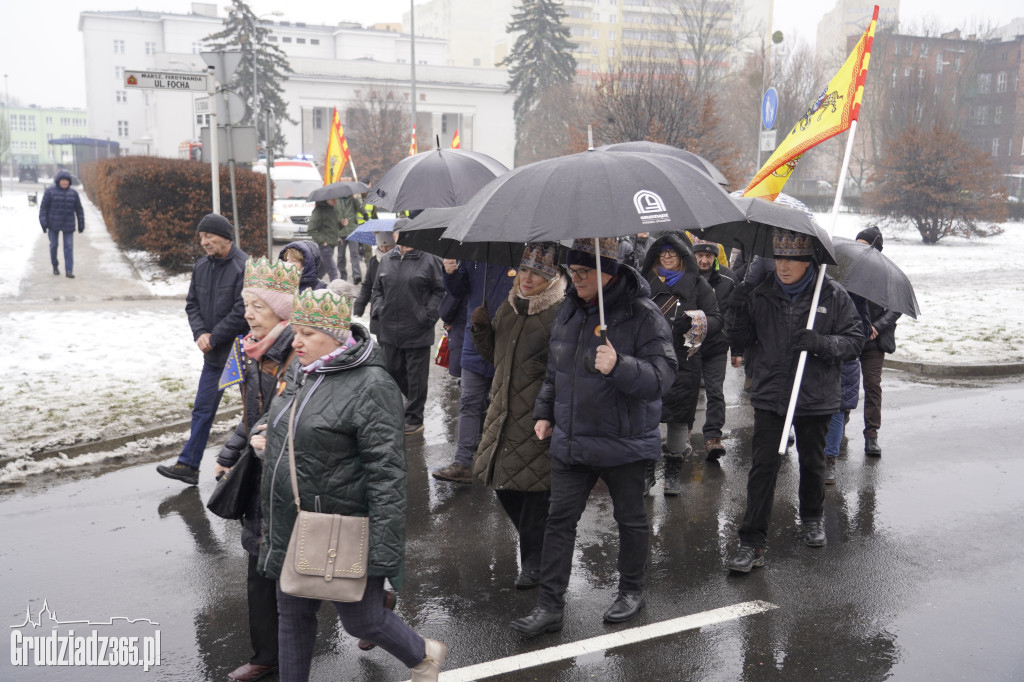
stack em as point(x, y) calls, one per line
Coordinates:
point(798, 326)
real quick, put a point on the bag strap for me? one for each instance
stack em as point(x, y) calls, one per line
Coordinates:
point(291, 450)
point(669, 304)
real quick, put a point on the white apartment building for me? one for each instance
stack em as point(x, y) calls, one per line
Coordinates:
point(334, 66)
point(850, 18)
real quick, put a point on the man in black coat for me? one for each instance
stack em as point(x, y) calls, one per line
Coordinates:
point(600, 405)
point(715, 349)
point(60, 207)
point(881, 340)
point(773, 318)
point(216, 314)
point(407, 290)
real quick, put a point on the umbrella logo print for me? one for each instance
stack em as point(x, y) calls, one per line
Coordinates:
point(650, 207)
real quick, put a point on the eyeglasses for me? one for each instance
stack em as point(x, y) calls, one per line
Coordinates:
point(668, 254)
point(579, 274)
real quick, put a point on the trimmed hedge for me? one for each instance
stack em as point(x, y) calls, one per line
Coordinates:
point(153, 204)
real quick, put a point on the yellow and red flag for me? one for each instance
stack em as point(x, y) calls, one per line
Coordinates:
point(337, 151)
point(412, 146)
point(456, 142)
point(833, 111)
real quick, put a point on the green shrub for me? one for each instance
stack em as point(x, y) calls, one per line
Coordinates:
point(154, 205)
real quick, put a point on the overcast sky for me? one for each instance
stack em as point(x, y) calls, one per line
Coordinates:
point(41, 47)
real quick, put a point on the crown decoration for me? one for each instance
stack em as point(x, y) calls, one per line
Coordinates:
point(609, 247)
point(698, 331)
point(322, 309)
point(702, 244)
point(788, 243)
point(540, 257)
point(261, 273)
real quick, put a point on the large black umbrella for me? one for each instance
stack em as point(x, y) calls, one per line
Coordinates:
point(760, 218)
point(593, 194)
point(336, 190)
point(867, 272)
point(441, 177)
point(668, 150)
point(425, 233)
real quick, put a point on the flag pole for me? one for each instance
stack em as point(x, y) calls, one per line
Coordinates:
point(801, 363)
point(352, 162)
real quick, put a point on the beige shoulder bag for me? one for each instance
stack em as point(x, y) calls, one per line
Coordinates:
point(327, 553)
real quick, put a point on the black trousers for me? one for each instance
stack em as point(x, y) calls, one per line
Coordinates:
point(570, 488)
point(262, 616)
point(871, 368)
point(357, 259)
point(410, 368)
point(713, 370)
point(764, 471)
point(529, 514)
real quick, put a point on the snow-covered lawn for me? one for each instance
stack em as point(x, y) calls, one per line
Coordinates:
point(114, 368)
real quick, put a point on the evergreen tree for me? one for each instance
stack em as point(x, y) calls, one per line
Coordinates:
point(541, 56)
point(243, 32)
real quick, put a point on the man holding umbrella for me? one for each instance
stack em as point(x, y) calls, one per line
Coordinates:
point(600, 404)
point(773, 318)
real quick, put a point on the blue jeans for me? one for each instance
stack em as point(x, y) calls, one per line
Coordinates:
point(69, 242)
point(204, 409)
point(834, 438)
point(476, 389)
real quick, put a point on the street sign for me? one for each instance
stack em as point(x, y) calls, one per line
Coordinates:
point(243, 143)
point(767, 140)
point(226, 63)
point(769, 108)
point(167, 80)
point(237, 107)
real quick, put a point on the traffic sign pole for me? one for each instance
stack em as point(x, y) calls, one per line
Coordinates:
point(214, 158)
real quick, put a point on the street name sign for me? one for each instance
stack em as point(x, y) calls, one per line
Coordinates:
point(767, 140)
point(167, 80)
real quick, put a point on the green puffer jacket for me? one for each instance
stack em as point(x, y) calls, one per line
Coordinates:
point(324, 224)
point(349, 455)
point(348, 207)
point(516, 342)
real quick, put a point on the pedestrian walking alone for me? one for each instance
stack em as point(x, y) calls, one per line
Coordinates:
point(59, 210)
point(216, 313)
point(349, 453)
point(600, 405)
point(511, 459)
point(772, 317)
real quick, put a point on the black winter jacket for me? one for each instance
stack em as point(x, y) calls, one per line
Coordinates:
point(258, 389)
point(214, 302)
point(607, 420)
point(406, 292)
point(366, 292)
point(309, 278)
point(476, 282)
point(885, 322)
point(349, 455)
point(61, 207)
point(769, 319)
point(723, 281)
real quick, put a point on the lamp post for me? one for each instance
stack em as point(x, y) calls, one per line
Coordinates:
point(776, 39)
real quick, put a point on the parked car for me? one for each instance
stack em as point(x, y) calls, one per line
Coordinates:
point(293, 180)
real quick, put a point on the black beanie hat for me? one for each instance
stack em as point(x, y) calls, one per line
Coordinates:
point(872, 235)
point(218, 225)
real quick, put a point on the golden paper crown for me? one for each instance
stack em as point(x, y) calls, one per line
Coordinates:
point(541, 257)
point(322, 309)
point(261, 273)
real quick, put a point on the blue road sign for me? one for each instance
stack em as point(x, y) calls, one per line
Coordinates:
point(769, 108)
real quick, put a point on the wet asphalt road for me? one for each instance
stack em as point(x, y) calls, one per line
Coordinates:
point(919, 581)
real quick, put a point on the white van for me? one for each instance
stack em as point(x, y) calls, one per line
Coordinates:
point(293, 180)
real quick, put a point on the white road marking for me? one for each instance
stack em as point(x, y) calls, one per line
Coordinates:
point(605, 642)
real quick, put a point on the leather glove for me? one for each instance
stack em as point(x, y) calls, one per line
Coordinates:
point(81, 230)
point(682, 323)
point(740, 295)
point(808, 340)
point(44, 230)
point(480, 317)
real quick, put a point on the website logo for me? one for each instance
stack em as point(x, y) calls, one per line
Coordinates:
point(650, 207)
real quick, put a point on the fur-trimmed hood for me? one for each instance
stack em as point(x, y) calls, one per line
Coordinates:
point(551, 296)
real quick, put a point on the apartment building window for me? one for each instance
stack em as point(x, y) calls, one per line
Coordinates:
point(203, 119)
point(122, 128)
point(596, 34)
point(197, 48)
point(314, 41)
point(995, 146)
point(920, 77)
point(956, 63)
point(906, 72)
point(997, 115)
point(611, 35)
point(938, 62)
point(286, 39)
point(597, 17)
point(1001, 82)
point(150, 48)
point(895, 75)
point(444, 124)
point(318, 119)
point(49, 120)
point(300, 41)
point(120, 96)
point(31, 124)
point(613, 19)
point(924, 50)
point(118, 47)
point(476, 61)
point(272, 39)
point(984, 83)
point(611, 51)
point(119, 73)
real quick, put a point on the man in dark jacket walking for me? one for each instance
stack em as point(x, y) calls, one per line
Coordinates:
point(881, 340)
point(773, 317)
point(385, 243)
point(600, 404)
point(406, 293)
point(60, 208)
point(715, 348)
point(216, 314)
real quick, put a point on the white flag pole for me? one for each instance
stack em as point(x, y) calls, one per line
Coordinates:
point(801, 363)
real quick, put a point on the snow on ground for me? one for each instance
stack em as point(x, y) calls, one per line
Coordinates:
point(17, 219)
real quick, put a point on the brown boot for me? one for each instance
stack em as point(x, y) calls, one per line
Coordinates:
point(713, 448)
point(389, 604)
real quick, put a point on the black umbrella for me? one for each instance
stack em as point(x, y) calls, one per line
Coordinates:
point(425, 234)
point(336, 190)
point(441, 177)
point(593, 194)
point(668, 150)
point(867, 272)
point(760, 218)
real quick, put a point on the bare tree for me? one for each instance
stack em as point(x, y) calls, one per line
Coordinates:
point(376, 130)
point(704, 38)
point(557, 125)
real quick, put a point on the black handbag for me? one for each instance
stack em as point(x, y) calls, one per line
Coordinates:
point(230, 498)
